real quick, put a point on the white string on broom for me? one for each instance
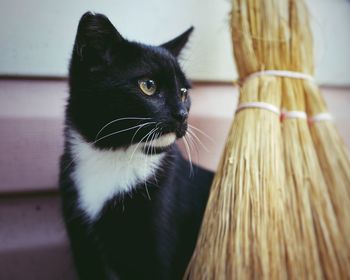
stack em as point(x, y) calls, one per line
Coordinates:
point(280, 73)
point(294, 115)
point(272, 108)
point(284, 114)
point(321, 117)
point(258, 105)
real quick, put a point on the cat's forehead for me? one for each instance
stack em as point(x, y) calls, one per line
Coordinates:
point(143, 59)
point(157, 57)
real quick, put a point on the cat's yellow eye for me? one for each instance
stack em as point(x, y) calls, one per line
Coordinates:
point(148, 86)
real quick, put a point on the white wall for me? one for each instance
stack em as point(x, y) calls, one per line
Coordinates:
point(37, 35)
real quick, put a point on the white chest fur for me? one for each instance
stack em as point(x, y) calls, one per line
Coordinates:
point(100, 174)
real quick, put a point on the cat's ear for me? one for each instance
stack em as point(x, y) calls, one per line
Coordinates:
point(177, 44)
point(95, 38)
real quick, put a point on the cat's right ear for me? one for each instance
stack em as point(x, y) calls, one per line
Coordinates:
point(176, 45)
point(95, 38)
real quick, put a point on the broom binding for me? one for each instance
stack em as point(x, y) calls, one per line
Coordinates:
point(258, 105)
point(278, 73)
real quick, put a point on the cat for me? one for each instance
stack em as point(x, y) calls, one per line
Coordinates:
point(131, 206)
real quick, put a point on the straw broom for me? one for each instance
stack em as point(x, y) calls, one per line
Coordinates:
point(333, 156)
point(331, 150)
point(243, 234)
point(233, 241)
point(302, 251)
point(332, 153)
point(304, 174)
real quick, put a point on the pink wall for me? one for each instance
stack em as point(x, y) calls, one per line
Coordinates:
point(31, 124)
point(33, 243)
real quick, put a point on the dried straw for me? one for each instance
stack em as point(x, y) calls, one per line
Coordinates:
point(331, 151)
point(270, 213)
point(333, 157)
point(312, 199)
point(242, 228)
point(243, 234)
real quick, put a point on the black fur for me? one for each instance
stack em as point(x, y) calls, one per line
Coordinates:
point(150, 232)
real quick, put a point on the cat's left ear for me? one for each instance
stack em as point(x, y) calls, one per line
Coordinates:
point(95, 38)
point(176, 45)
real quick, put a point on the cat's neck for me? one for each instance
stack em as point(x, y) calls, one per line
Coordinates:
point(99, 175)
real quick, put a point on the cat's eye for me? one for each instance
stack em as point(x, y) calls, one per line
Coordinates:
point(183, 94)
point(148, 86)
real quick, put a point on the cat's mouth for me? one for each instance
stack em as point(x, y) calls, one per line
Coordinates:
point(177, 129)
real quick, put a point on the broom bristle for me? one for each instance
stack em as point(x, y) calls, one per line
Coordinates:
point(270, 214)
point(333, 157)
point(320, 237)
point(318, 223)
point(243, 234)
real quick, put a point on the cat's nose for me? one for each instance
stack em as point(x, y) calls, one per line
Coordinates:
point(180, 115)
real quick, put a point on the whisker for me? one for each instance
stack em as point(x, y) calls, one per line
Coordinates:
point(154, 171)
point(117, 132)
point(146, 187)
point(189, 155)
point(148, 144)
point(148, 123)
point(69, 164)
point(140, 143)
point(117, 120)
point(191, 132)
point(192, 143)
point(75, 158)
point(153, 144)
point(203, 133)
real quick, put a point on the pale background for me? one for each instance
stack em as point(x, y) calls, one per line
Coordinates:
point(37, 35)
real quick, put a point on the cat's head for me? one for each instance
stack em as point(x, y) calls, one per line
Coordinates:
point(123, 92)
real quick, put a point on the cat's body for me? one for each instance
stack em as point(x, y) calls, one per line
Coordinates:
point(132, 206)
point(147, 233)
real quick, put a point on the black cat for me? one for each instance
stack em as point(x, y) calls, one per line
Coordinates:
point(132, 208)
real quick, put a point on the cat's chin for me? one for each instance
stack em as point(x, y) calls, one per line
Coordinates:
point(161, 144)
point(164, 141)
